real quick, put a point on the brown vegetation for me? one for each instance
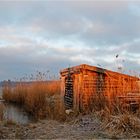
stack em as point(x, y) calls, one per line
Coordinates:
point(35, 97)
point(125, 125)
point(119, 122)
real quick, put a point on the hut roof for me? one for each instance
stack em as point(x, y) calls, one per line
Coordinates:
point(80, 68)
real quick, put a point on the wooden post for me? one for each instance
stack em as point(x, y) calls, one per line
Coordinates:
point(75, 93)
point(62, 92)
point(80, 91)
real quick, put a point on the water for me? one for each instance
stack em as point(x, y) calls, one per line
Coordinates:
point(15, 113)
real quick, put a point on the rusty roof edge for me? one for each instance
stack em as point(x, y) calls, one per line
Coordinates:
point(94, 68)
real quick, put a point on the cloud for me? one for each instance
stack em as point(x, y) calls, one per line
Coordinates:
point(45, 35)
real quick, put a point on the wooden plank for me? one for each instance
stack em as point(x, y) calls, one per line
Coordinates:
point(62, 92)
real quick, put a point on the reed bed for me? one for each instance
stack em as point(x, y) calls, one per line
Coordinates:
point(34, 97)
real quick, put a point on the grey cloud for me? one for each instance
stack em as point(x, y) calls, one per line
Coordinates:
point(59, 19)
point(100, 30)
point(109, 26)
point(29, 60)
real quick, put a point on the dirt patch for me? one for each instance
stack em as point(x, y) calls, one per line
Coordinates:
point(81, 127)
point(84, 127)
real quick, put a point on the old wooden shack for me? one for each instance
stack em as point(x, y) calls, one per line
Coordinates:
point(82, 85)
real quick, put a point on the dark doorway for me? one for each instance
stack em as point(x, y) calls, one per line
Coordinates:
point(68, 97)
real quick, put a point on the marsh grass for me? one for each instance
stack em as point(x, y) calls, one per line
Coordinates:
point(35, 97)
point(119, 122)
point(122, 125)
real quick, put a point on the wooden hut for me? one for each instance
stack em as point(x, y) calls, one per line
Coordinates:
point(82, 85)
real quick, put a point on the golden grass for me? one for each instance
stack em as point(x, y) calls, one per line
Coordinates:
point(34, 97)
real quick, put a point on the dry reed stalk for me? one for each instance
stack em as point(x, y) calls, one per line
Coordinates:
point(122, 125)
point(34, 97)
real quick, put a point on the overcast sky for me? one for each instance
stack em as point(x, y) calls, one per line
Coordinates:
point(51, 35)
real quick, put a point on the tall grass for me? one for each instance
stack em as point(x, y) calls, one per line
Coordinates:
point(125, 125)
point(35, 97)
point(119, 119)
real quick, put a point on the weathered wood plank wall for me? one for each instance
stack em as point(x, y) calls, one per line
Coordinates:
point(91, 82)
